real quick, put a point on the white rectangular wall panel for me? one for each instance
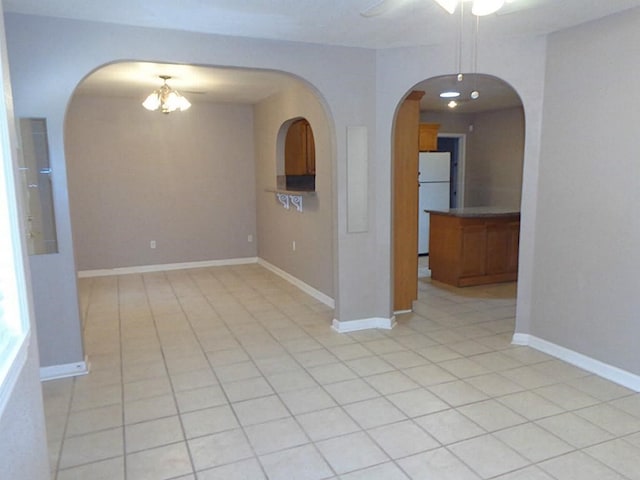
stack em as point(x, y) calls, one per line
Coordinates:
point(357, 180)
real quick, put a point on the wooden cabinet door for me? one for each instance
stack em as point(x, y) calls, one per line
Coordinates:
point(300, 149)
point(474, 250)
point(295, 161)
point(429, 137)
point(513, 246)
point(498, 241)
point(310, 150)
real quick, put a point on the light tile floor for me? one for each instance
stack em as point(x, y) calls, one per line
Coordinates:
point(232, 373)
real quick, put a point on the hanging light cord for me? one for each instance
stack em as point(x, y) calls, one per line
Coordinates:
point(460, 40)
point(475, 94)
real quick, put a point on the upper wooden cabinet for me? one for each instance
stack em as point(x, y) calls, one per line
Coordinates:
point(429, 137)
point(300, 149)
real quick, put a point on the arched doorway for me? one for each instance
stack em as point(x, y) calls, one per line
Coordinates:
point(195, 186)
point(484, 138)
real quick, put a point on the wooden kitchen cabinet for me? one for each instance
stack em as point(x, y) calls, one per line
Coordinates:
point(300, 149)
point(473, 248)
point(429, 137)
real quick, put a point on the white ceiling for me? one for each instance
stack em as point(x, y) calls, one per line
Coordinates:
point(332, 22)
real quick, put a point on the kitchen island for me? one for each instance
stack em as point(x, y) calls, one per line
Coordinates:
point(473, 245)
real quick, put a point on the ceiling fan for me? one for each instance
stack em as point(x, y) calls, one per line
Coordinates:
point(479, 7)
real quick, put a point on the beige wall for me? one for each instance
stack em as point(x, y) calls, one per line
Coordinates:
point(587, 235)
point(312, 230)
point(494, 154)
point(185, 180)
point(23, 442)
point(494, 175)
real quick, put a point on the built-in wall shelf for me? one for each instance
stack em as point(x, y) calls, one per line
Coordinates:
point(288, 198)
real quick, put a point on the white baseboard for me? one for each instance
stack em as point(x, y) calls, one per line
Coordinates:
point(363, 324)
point(604, 370)
point(317, 294)
point(55, 372)
point(165, 267)
point(400, 312)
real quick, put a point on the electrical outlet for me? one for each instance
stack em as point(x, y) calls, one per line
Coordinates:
point(293, 245)
point(152, 244)
point(249, 238)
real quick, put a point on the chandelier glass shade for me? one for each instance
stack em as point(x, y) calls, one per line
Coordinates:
point(165, 99)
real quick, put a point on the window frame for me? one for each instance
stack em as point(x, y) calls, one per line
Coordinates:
point(15, 314)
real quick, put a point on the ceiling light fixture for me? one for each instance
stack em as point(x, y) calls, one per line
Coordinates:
point(479, 8)
point(452, 104)
point(166, 99)
point(449, 94)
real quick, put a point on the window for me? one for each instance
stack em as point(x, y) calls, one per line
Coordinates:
point(14, 323)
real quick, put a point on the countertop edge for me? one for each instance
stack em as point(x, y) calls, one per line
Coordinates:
point(471, 214)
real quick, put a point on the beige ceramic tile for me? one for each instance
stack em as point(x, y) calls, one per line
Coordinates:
point(112, 469)
point(256, 334)
point(243, 470)
point(351, 452)
point(208, 421)
point(611, 419)
point(159, 463)
point(530, 405)
point(476, 451)
point(307, 400)
point(436, 464)
point(373, 413)
point(575, 430)
point(94, 420)
point(301, 463)
point(247, 389)
point(403, 439)
point(385, 471)
point(533, 442)
point(578, 465)
point(328, 423)
point(219, 449)
point(149, 409)
point(92, 447)
point(275, 435)
point(458, 393)
point(260, 410)
point(449, 426)
point(391, 382)
point(154, 433)
point(491, 415)
point(619, 455)
point(415, 403)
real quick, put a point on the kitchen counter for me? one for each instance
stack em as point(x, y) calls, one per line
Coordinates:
point(473, 246)
point(477, 212)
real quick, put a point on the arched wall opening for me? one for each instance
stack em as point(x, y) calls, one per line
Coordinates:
point(149, 189)
point(473, 165)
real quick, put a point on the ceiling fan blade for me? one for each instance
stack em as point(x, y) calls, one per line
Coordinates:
point(515, 6)
point(382, 7)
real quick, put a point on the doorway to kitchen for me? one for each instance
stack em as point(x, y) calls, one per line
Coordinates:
point(486, 136)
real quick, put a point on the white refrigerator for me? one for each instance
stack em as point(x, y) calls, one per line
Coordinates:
point(434, 177)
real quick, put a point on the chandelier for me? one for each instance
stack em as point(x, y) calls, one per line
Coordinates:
point(166, 99)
